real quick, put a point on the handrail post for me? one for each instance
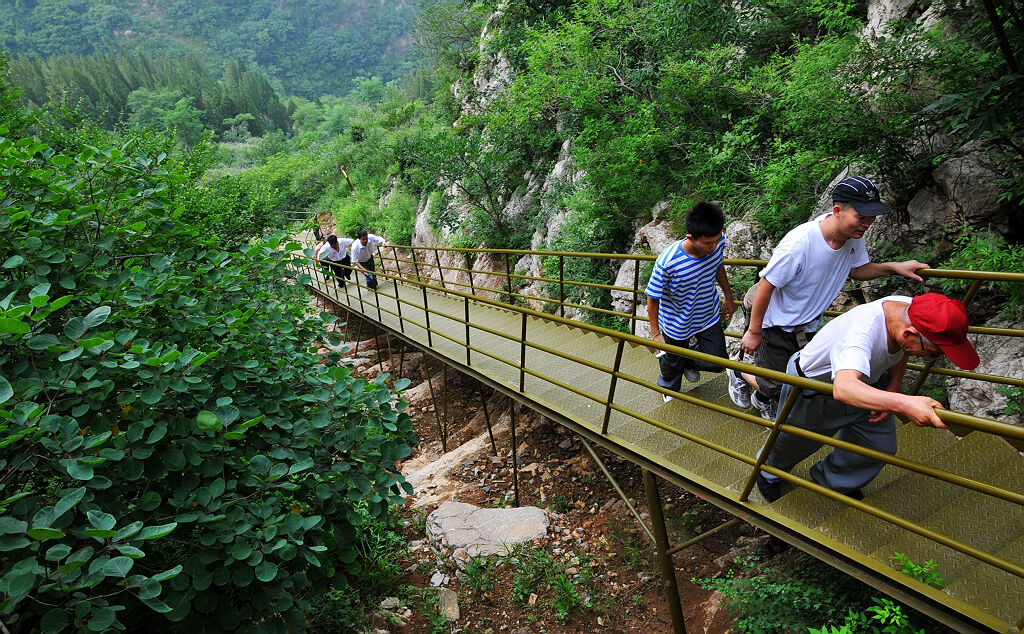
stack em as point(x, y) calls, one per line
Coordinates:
point(426, 311)
point(466, 304)
point(508, 279)
point(440, 273)
point(780, 420)
point(415, 265)
point(611, 387)
point(380, 256)
point(522, 356)
point(469, 267)
point(668, 570)
point(561, 286)
point(634, 302)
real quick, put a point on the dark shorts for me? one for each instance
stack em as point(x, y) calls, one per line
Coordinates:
point(777, 346)
point(711, 340)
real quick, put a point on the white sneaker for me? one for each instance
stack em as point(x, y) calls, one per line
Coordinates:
point(739, 389)
point(768, 410)
point(692, 374)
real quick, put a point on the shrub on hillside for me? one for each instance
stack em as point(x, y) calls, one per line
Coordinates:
point(171, 444)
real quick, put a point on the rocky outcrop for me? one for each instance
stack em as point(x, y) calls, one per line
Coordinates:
point(997, 357)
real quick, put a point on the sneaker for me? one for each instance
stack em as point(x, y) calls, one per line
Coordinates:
point(769, 409)
point(856, 494)
point(692, 374)
point(739, 390)
point(769, 490)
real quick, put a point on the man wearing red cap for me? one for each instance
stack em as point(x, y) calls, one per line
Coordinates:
point(864, 353)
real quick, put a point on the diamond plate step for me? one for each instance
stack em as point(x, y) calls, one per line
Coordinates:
point(916, 496)
point(994, 590)
point(991, 525)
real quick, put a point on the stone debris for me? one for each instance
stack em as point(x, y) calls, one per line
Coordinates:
point(448, 603)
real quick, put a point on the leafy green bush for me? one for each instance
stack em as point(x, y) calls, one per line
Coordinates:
point(398, 218)
point(981, 250)
point(773, 600)
point(171, 444)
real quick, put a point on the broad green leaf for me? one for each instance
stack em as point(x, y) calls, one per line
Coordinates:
point(68, 502)
point(101, 520)
point(102, 619)
point(6, 391)
point(42, 533)
point(9, 525)
point(266, 571)
point(149, 589)
point(168, 574)
point(57, 552)
point(54, 621)
point(118, 567)
point(13, 262)
point(13, 326)
point(208, 421)
point(96, 317)
point(155, 532)
point(156, 605)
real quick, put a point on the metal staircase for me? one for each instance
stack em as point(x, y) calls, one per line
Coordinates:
point(955, 500)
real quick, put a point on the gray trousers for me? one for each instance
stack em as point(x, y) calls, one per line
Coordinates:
point(841, 470)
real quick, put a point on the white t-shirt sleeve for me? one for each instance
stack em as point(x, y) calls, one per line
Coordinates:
point(324, 250)
point(851, 354)
point(786, 263)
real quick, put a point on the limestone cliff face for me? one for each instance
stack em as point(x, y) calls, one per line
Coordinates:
point(962, 190)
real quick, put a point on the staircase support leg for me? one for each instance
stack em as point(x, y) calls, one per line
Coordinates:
point(515, 453)
point(668, 571)
point(618, 489)
point(433, 405)
point(487, 416)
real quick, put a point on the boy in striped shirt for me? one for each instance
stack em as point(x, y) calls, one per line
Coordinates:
point(682, 302)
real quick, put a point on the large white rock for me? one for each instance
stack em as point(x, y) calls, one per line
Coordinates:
point(484, 531)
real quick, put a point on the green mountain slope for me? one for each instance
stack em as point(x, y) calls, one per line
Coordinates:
point(311, 47)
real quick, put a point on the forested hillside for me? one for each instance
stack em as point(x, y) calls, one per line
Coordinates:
point(310, 47)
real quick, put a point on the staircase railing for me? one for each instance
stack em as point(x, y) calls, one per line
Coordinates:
point(422, 268)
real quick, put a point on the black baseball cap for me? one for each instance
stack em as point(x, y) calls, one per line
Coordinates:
point(861, 194)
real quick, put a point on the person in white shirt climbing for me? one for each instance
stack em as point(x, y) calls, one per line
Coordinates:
point(864, 353)
point(362, 255)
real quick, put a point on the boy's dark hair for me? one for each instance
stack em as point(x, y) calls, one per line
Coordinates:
point(362, 233)
point(705, 220)
point(333, 239)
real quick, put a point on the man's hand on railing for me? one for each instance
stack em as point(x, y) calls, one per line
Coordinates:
point(921, 411)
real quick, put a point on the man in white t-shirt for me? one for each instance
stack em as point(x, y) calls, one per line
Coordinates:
point(863, 353)
point(362, 255)
point(804, 276)
point(333, 251)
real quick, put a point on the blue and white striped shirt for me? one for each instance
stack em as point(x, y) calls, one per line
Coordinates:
point(685, 289)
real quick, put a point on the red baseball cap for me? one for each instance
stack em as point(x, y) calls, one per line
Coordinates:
point(943, 321)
